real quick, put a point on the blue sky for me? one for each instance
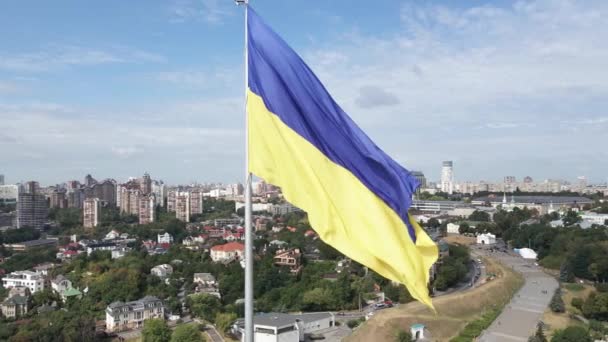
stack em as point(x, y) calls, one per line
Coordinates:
point(116, 88)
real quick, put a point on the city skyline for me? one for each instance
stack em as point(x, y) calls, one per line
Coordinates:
point(428, 82)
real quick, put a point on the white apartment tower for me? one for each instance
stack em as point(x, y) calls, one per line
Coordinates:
point(91, 211)
point(447, 177)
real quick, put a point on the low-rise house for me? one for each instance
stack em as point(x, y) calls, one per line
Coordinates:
point(120, 252)
point(15, 306)
point(43, 269)
point(205, 279)
point(60, 284)
point(310, 233)
point(19, 291)
point(227, 252)
point(162, 271)
point(290, 258)
point(165, 238)
point(112, 235)
point(29, 279)
point(230, 236)
point(71, 293)
point(277, 243)
point(131, 315)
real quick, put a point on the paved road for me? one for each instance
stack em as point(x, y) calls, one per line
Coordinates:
point(518, 320)
point(213, 334)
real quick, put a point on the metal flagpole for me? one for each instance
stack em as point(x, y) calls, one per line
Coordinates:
point(248, 231)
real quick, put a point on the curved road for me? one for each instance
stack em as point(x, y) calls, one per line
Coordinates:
point(519, 318)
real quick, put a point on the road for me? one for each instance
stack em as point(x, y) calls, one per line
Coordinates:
point(519, 318)
point(213, 334)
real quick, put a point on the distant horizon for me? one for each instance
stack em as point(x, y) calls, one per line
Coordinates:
point(501, 88)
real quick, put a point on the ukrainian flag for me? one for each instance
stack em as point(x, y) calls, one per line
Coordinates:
point(356, 196)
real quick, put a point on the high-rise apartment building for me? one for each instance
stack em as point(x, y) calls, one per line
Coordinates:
point(447, 177)
point(159, 189)
point(196, 202)
point(9, 193)
point(59, 199)
point(147, 206)
point(182, 206)
point(420, 178)
point(105, 191)
point(32, 207)
point(1, 179)
point(171, 200)
point(91, 212)
point(146, 184)
point(510, 179)
point(89, 181)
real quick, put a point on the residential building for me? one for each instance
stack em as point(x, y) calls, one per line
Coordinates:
point(71, 293)
point(196, 202)
point(447, 177)
point(594, 218)
point(227, 252)
point(120, 252)
point(283, 209)
point(75, 198)
point(60, 284)
point(162, 271)
point(183, 209)
point(1, 179)
point(59, 199)
point(131, 315)
point(227, 222)
point(101, 246)
point(15, 306)
point(160, 192)
point(105, 191)
point(147, 208)
point(43, 269)
point(164, 238)
point(9, 193)
point(146, 184)
point(171, 201)
point(420, 178)
point(290, 258)
point(29, 279)
point(91, 212)
point(89, 181)
point(205, 279)
point(112, 235)
point(32, 207)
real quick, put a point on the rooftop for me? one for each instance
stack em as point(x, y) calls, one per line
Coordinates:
point(228, 247)
point(275, 319)
point(536, 199)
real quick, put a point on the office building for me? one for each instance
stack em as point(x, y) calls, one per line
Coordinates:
point(447, 177)
point(91, 212)
point(147, 206)
point(32, 207)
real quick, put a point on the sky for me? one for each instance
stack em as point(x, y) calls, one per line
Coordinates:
point(118, 88)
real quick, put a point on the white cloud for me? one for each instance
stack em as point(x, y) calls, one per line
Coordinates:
point(521, 69)
point(55, 56)
point(209, 11)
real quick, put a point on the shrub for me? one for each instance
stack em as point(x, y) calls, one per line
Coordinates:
point(557, 303)
point(577, 303)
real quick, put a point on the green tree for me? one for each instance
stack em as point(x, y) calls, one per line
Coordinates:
point(577, 303)
point(224, 320)
point(572, 334)
point(480, 216)
point(403, 336)
point(571, 218)
point(187, 333)
point(539, 336)
point(565, 272)
point(557, 303)
point(464, 228)
point(156, 330)
point(204, 306)
point(596, 306)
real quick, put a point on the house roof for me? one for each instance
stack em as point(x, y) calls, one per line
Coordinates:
point(72, 292)
point(208, 277)
point(275, 319)
point(16, 300)
point(229, 247)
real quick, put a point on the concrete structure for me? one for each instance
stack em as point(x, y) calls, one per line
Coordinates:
point(131, 315)
point(594, 218)
point(436, 206)
point(32, 207)
point(162, 271)
point(32, 280)
point(280, 327)
point(147, 209)
point(91, 212)
point(146, 184)
point(159, 189)
point(58, 199)
point(164, 238)
point(15, 306)
point(1, 179)
point(227, 252)
point(540, 203)
point(282, 209)
point(102, 246)
point(420, 178)
point(486, 239)
point(105, 191)
point(447, 177)
point(196, 202)
point(417, 331)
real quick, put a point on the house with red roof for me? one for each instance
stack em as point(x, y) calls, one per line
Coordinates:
point(227, 252)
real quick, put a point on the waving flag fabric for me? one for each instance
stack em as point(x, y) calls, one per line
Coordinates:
point(356, 196)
